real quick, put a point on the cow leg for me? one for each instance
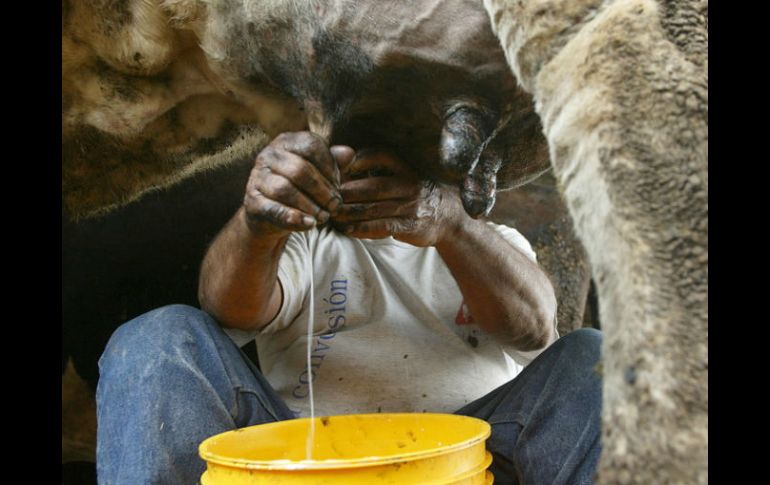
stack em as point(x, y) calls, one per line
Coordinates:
point(624, 103)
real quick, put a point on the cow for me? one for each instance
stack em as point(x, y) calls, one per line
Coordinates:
point(485, 96)
point(331, 66)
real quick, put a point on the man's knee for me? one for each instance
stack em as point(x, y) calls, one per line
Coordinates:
point(161, 329)
point(582, 345)
point(585, 337)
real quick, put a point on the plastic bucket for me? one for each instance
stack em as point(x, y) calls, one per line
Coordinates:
point(429, 449)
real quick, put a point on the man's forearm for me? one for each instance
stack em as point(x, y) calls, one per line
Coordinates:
point(507, 293)
point(238, 281)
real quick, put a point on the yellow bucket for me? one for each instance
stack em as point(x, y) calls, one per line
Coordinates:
point(428, 449)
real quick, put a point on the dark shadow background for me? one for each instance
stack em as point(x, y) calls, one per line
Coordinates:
point(138, 258)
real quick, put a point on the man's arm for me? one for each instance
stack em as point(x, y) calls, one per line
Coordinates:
point(238, 283)
point(507, 293)
point(291, 188)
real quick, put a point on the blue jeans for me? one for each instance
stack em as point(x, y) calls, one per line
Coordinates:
point(171, 378)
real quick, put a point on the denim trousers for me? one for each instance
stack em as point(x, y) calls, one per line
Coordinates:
point(171, 378)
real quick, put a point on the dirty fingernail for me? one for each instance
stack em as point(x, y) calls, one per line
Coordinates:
point(322, 216)
point(335, 203)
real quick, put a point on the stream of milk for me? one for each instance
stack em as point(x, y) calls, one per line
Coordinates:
point(310, 326)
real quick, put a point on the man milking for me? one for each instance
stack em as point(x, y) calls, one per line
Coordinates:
point(417, 308)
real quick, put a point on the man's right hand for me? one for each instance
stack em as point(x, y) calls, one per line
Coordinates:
point(293, 185)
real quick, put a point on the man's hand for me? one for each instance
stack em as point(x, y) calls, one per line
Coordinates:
point(291, 188)
point(293, 185)
point(384, 197)
point(507, 293)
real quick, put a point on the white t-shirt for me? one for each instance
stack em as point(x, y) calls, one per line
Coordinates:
point(386, 332)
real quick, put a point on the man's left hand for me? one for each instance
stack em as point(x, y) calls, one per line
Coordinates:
point(382, 196)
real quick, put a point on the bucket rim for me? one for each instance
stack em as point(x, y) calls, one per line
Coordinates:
point(291, 465)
